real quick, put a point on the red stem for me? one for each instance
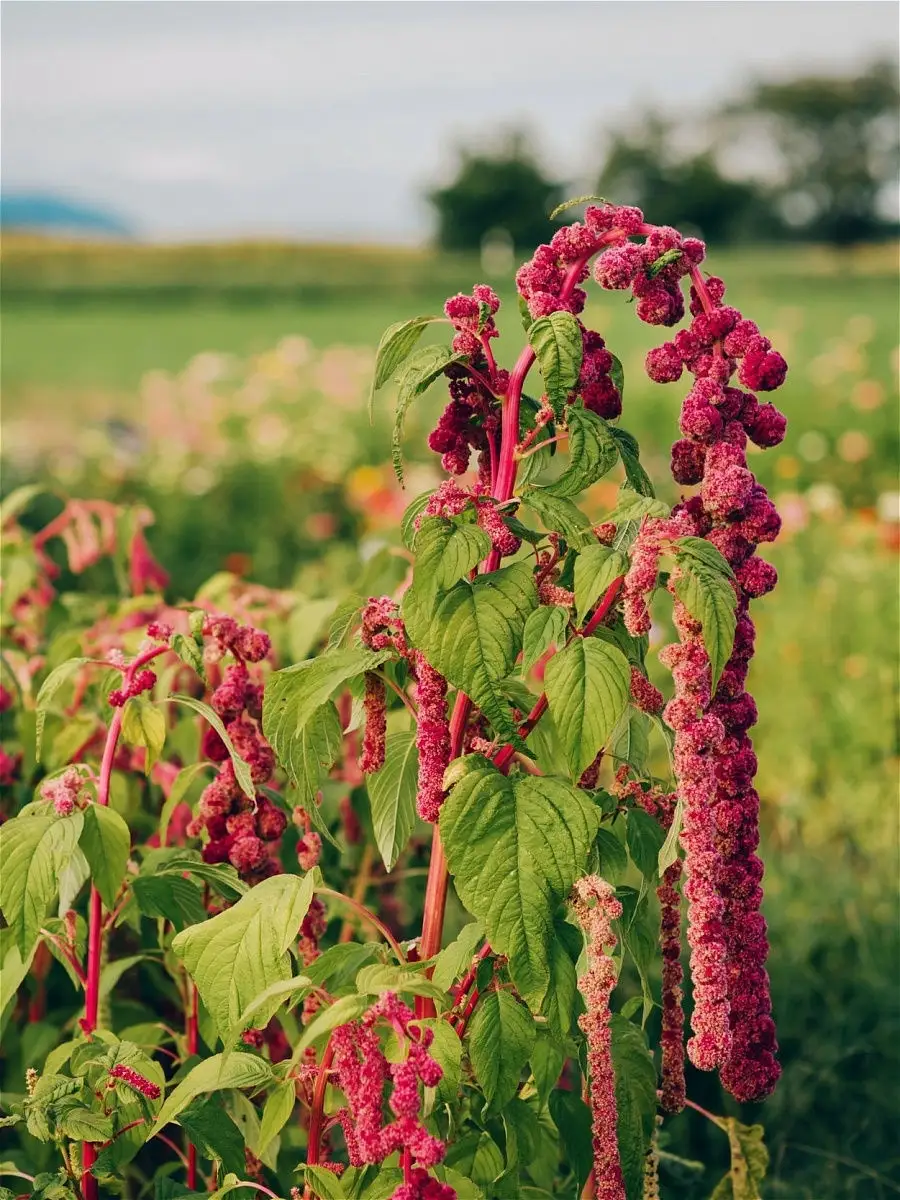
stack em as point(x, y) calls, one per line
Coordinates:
point(192, 1038)
point(95, 909)
point(313, 1146)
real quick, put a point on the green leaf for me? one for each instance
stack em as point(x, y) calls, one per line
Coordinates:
point(592, 452)
point(295, 695)
point(51, 685)
point(343, 621)
point(447, 552)
point(446, 1050)
point(561, 516)
point(669, 850)
point(631, 506)
point(392, 795)
point(189, 652)
point(215, 1074)
point(613, 859)
point(475, 635)
point(596, 567)
point(514, 848)
point(242, 951)
point(338, 965)
point(310, 754)
point(692, 550)
point(215, 1135)
point(222, 876)
point(378, 978)
point(588, 686)
point(169, 896)
point(629, 451)
point(749, 1162)
point(408, 531)
point(560, 999)
point(500, 1039)
point(83, 1125)
point(417, 376)
point(268, 1001)
point(106, 844)
point(241, 770)
point(635, 1100)
point(113, 971)
point(456, 958)
point(710, 599)
point(547, 1062)
point(397, 343)
point(35, 849)
point(342, 1010)
point(572, 1118)
point(659, 264)
point(180, 787)
point(476, 1157)
point(324, 1183)
point(632, 743)
point(556, 340)
point(277, 1112)
point(545, 627)
point(644, 838)
point(576, 200)
point(18, 500)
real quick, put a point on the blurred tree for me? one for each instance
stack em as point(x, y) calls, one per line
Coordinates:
point(504, 190)
point(839, 141)
point(643, 167)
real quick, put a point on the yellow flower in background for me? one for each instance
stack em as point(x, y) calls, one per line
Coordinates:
point(787, 467)
point(867, 394)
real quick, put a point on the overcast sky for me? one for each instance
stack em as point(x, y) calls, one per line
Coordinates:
point(329, 119)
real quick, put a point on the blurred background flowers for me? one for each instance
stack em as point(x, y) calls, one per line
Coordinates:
point(210, 212)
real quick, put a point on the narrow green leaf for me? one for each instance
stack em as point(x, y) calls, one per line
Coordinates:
point(629, 451)
point(392, 795)
point(592, 453)
point(55, 680)
point(559, 1002)
point(560, 515)
point(631, 506)
point(269, 1000)
point(408, 530)
point(209, 1127)
point(576, 200)
point(596, 567)
point(241, 770)
point(18, 500)
point(378, 978)
point(344, 1009)
point(514, 848)
point(214, 1074)
point(397, 343)
point(34, 851)
point(545, 627)
point(710, 599)
point(417, 376)
point(749, 1162)
point(106, 844)
point(180, 787)
point(588, 686)
point(669, 849)
point(500, 1039)
point(277, 1112)
point(644, 838)
point(456, 958)
point(693, 550)
point(236, 955)
point(556, 340)
point(635, 1100)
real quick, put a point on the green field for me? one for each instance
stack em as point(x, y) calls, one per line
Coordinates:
point(271, 468)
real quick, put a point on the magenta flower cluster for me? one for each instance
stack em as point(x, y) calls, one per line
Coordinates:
point(64, 791)
point(714, 759)
point(364, 1075)
point(239, 832)
point(596, 907)
point(375, 708)
point(135, 1080)
point(450, 500)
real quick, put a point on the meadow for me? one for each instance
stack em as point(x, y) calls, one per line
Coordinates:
point(224, 388)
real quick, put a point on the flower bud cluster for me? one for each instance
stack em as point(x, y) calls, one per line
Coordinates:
point(450, 500)
point(652, 271)
point(65, 791)
point(239, 832)
point(135, 1080)
point(363, 1075)
point(141, 681)
point(596, 907)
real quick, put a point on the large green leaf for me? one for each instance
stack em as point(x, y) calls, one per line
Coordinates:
point(392, 795)
point(295, 695)
point(559, 1002)
point(596, 567)
point(572, 1118)
point(588, 686)
point(475, 634)
point(710, 599)
point(212, 1131)
point(143, 724)
point(445, 552)
point(556, 340)
point(501, 1036)
point(106, 843)
point(692, 550)
point(514, 848)
point(241, 770)
point(171, 897)
point(635, 1100)
point(592, 452)
point(239, 1070)
point(35, 849)
point(311, 753)
point(277, 1112)
point(241, 952)
point(632, 506)
point(637, 477)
